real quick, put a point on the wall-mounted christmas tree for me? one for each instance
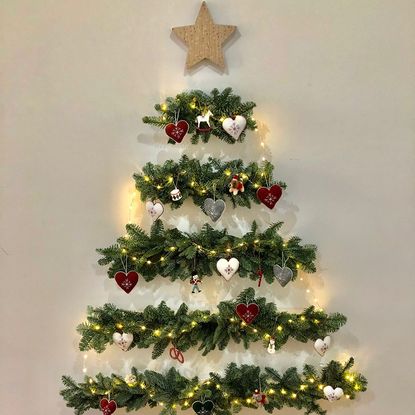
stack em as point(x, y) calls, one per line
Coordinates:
point(138, 257)
point(262, 255)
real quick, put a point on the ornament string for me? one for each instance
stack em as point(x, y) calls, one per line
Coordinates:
point(125, 264)
point(176, 116)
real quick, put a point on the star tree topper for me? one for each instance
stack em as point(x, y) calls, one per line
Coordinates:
point(204, 39)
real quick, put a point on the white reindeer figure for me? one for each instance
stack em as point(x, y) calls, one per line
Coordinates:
point(204, 118)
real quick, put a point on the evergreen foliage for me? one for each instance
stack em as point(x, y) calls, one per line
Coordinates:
point(189, 104)
point(159, 326)
point(199, 181)
point(229, 392)
point(175, 254)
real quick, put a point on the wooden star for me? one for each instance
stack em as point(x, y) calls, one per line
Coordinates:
point(204, 39)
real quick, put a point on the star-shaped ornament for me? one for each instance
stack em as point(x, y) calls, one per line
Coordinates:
point(204, 39)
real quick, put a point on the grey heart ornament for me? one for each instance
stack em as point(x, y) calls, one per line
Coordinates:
point(283, 274)
point(214, 208)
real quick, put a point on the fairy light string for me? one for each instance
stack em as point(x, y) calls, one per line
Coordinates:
point(226, 391)
point(181, 328)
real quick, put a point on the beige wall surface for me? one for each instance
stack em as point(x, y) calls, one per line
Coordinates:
point(335, 88)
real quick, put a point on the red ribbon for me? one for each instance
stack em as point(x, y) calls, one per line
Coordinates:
point(260, 274)
point(176, 354)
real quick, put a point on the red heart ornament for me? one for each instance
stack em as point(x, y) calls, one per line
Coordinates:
point(107, 407)
point(177, 131)
point(126, 281)
point(248, 312)
point(269, 197)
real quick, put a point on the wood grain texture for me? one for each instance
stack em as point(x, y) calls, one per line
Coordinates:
point(204, 39)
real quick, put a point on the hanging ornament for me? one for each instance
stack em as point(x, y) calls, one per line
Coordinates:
point(227, 268)
point(123, 341)
point(269, 196)
point(204, 119)
point(234, 126)
point(177, 130)
point(175, 194)
point(236, 185)
point(333, 394)
point(283, 274)
point(260, 275)
point(321, 346)
point(126, 281)
point(195, 281)
point(176, 354)
point(130, 379)
point(271, 346)
point(247, 312)
point(155, 209)
point(214, 208)
point(203, 408)
point(259, 397)
point(107, 407)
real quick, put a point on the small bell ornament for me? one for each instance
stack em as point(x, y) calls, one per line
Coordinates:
point(236, 185)
point(175, 194)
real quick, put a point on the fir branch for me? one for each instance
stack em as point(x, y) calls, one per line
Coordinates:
point(229, 392)
point(175, 254)
point(198, 181)
point(188, 105)
point(160, 326)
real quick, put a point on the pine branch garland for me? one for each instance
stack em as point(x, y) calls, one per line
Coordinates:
point(229, 392)
point(199, 181)
point(175, 254)
point(188, 105)
point(161, 326)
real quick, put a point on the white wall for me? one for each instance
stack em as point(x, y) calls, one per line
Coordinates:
point(334, 84)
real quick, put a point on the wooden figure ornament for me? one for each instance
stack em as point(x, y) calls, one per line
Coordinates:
point(204, 39)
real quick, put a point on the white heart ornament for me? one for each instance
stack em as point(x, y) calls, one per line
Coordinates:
point(123, 341)
point(333, 394)
point(321, 346)
point(234, 127)
point(154, 209)
point(227, 268)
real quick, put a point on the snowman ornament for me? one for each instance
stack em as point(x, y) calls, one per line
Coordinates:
point(271, 346)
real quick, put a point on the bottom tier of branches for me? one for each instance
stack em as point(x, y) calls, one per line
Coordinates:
point(238, 387)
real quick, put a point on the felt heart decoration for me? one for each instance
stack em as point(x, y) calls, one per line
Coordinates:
point(214, 209)
point(269, 197)
point(107, 407)
point(227, 268)
point(283, 274)
point(154, 209)
point(123, 341)
point(322, 346)
point(203, 408)
point(177, 131)
point(333, 394)
point(234, 126)
point(247, 313)
point(126, 281)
